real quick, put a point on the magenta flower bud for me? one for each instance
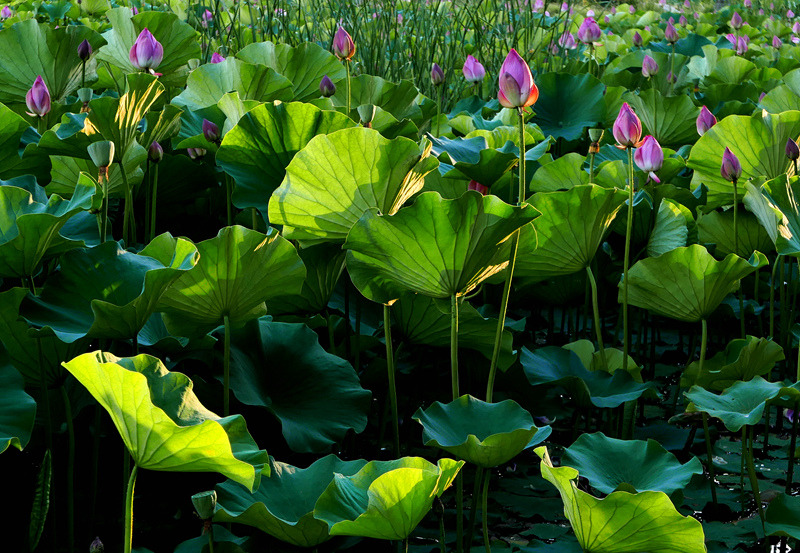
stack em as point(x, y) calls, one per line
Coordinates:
point(538, 5)
point(84, 50)
point(637, 39)
point(567, 41)
point(649, 157)
point(590, 13)
point(649, 67)
point(517, 89)
point(210, 131)
point(736, 21)
point(326, 87)
point(155, 153)
point(742, 45)
point(613, 10)
point(96, 546)
point(792, 150)
point(146, 53)
point(748, 3)
point(761, 97)
point(789, 14)
point(671, 78)
point(135, 10)
point(627, 128)
point(343, 45)
point(761, 11)
point(473, 71)
point(705, 121)
point(475, 185)
point(38, 98)
point(196, 153)
point(216, 57)
point(776, 42)
point(687, 4)
point(437, 75)
point(671, 33)
point(208, 15)
point(730, 169)
point(6, 12)
point(589, 31)
point(564, 6)
point(632, 9)
point(683, 21)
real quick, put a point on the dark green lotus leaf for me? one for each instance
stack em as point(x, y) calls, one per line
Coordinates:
point(336, 178)
point(163, 424)
point(568, 104)
point(775, 206)
point(108, 292)
point(687, 284)
point(418, 319)
point(560, 174)
point(780, 99)
point(224, 541)
point(238, 271)
point(690, 45)
point(435, 247)
point(12, 129)
point(17, 409)
point(475, 159)
point(569, 231)
point(484, 434)
point(626, 71)
point(68, 138)
point(283, 505)
point(385, 499)
point(717, 228)
point(742, 359)
point(401, 100)
point(207, 84)
point(30, 229)
point(623, 522)
point(670, 119)
point(741, 404)
point(671, 229)
point(783, 517)
point(316, 395)
point(554, 365)
point(759, 141)
point(29, 49)
point(177, 37)
point(304, 65)
point(610, 464)
point(258, 149)
point(67, 172)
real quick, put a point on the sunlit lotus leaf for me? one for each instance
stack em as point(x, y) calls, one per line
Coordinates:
point(670, 119)
point(742, 359)
point(475, 159)
point(561, 174)
point(717, 228)
point(671, 228)
point(17, 409)
point(12, 129)
point(401, 99)
point(780, 99)
point(68, 173)
point(741, 404)
point(775, 206)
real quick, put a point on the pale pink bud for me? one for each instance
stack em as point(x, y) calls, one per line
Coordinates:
point(146, 53)
point(627, 128)
point(705, 121)
point(473, 71)
point(730, 169)
point(516, 86)
point(649, 157)
point(649, 67)
point(38, 98)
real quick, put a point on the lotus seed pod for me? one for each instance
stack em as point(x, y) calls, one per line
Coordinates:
point(205, 503)
point(102, 153)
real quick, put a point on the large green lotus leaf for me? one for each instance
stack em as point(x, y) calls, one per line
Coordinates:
point(29, 49)
point(568, 104)
point(731, 70)
point(671, 228)
point(742, 359)
point(484, 434)
point(207, 84)
point(336, 178)
point(783, 517)
point(317, 396)
point(554, 365)
point(385, 499)
point(593, 360)
point(163, 424)
point(561, 174)
point(30, 229)
point(67, 172)
point(12, 129)
point(569, 231)
point(304, 65)
point(108, 292)
point(670, 119)
point(435, 247)
point(17, 409)
point(623, 522)
point(67, 138)
point(283, 505)
point(238, 271)
point(419, 320)
point(687, 284)
point(177, 37)
point(759, 141)
point(780, 99)
point(775, 206)
point(642, 465)
point(401, 100)
point(741, 404)
point(473, 158)
point(717, 228)
point(258, 149)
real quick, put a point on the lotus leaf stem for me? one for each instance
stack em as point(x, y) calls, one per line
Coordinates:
point(712, 483)
point(473, 513)
point(129, 511)
point(454, 345)
point(736, 251)
point(102, 177)
point(128, 220)
point(751, 471)
point(387, 332)
point(210, 538)
point(70, 470)
point(792, 447)
point(226, 367)
point(598, 329)
point(484, 511)
point(439, 108)
point(229, 198)
point(626, 263)
point(153, 203)
point(347, 92)
point(772, 297)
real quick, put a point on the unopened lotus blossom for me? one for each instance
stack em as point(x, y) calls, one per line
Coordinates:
point(473, 70)
point(589, 31)
point(637, 39)
point(649, 157)
point(326, 87)
point(627, 128)
point(84, 50)
point(671, 33)
point(216, 57)
point(742, 44)
point(6, 12)
point(792, 150)
point(730, 169)
point(607, 19)
point(776, 42)
point(206, 18)
point(736, 21)
point(538, 5)
point(567, 41)
point(196, 153)
point(687, 4)
point(705, 121)
point(135, 10)
point(475, 185)
point(343, 45)
point(564, 6)
point(748, 3)
point(96, 546)
point(761, 97)
point(791, 415)
point(155, 153)
point(632, 9)
point(38, 98)
point(146, 53)
point(210, 131)
point(553, 48)
point(437, 75)
point(683, 21)
point(761, 11)
point(649, 67)
point(516, 86)
point(789, 14)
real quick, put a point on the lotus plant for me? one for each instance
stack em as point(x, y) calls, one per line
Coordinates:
point(637, 39)
point(211, 131)
point(38, 98)
point(216, 57)
point(345, 49)
point(705, 121)
point(589, 32)
point(437, 79)
point(736, 21)
point(155, 153)
point(793, 153)
point(473, 70)
point(731, 170)
point(146, 53)
point(84, 53)
point(6, 12)
point(649, 67)
point(478, 187)
point(649, 157)
point(102, 155)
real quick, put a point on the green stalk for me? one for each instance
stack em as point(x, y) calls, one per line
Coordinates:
point(596, 310)
point(591, 166)
point(671, 70)
point(473, 513)
point(211, 539)
point(103, 178)
point(229, 198)
point(626, 263)
point(736, 250)
point(128, 221)
point(387, 332)
point(70, 471)
point(772, 297)
point(129, 511)
point(45, 395)
point(751, 471)
point(484, 511)
point(454, 345)
point(153, 203)
point(439, 109)
point(709, 452)
point(347, 67)
point(792, 447)
point(226, 367)
point(459, 512)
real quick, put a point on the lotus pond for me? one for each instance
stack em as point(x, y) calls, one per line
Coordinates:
point(399, 276)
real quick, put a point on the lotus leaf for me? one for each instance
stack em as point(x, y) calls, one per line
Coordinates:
point(324, 264)
point(775, 206)
point(401, 100)
point(671, 229)
point(717, 228)
point(17, 410)
point(741, 404)
point(742, 359)
point(568, 104)
point(12, 129)
point(670, 119)
point(69, 173)
point(473, 158)
point(783, 517)
point(561, 174)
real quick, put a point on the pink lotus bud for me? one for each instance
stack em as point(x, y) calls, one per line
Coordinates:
point(589, 13)
point(38, 98)
point(343, 45)
point(538, 5)
point(705, 121)
point(649, 67)
point(792, 150)
point(564, 6)
point(791, 415)
point(789, 14)
point(649, 157)
point(196, 153)
point(736, 21)
point(637, 39)
point(134, 10)
point(776, 42)
point(683, 21)
point(475, 185)
point(761, 11)
point(473, 71)
point(589, 31)
point(748, 3)
point(607, 19)
point(84, 50)
point(6, 12)
point(795, 40)
point(146, 53)
point(742, 45)
point(326, 87)
point(216, 57)
point(671, 33)
point(613, 10)
point(631, 9)
point(210, 131)
point(553, 48)
point(437, 75)
point(567, 41)
point(516, 86)
point(730, 169)
point(627, 128)
point(208, 15)
point(671, 78)
point(761, 97)
point(155, 152)
point(687, 4)
point(796, 27)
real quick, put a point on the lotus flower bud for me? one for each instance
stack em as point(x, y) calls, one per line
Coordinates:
point(730, 169)
point(742, 45)
point(475, 185)
point(216, 57)
point(210, 131)
point(538, 5)
point(437, 75)
point(196, 153)
point(84, 50)
point(789, 14)
point(6, 12)
point(589, 31)
point(589, 13)
point(705, 121)
point(761, 97)
point(516, 86)
point(776, 42)
point(627, 128)
point(649, 67)
point(683, 21)
point(343, 45)
point(155, 153)
point(748, 3)
point(567, 41)
point(792, 150)
point(564, 6)
point(791, 415)
point(761, 11)
point(85, 95)
point(473, 71)
point(687, 4)
point(135, 10)
point(736, 21)
point(632, 9)
point(671, 78)
point(671, 33)
point(38, 98)
point(326, 87)
point(637, 39)
point(205, 503)
point(146, 53)
point(206, 18)
point(102, 153)
point(96, 546)
point(649, 157)
point(796, 27)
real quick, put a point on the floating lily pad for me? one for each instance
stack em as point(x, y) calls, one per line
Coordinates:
point(742, 404)
point(17, 409)
point(742, 359)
